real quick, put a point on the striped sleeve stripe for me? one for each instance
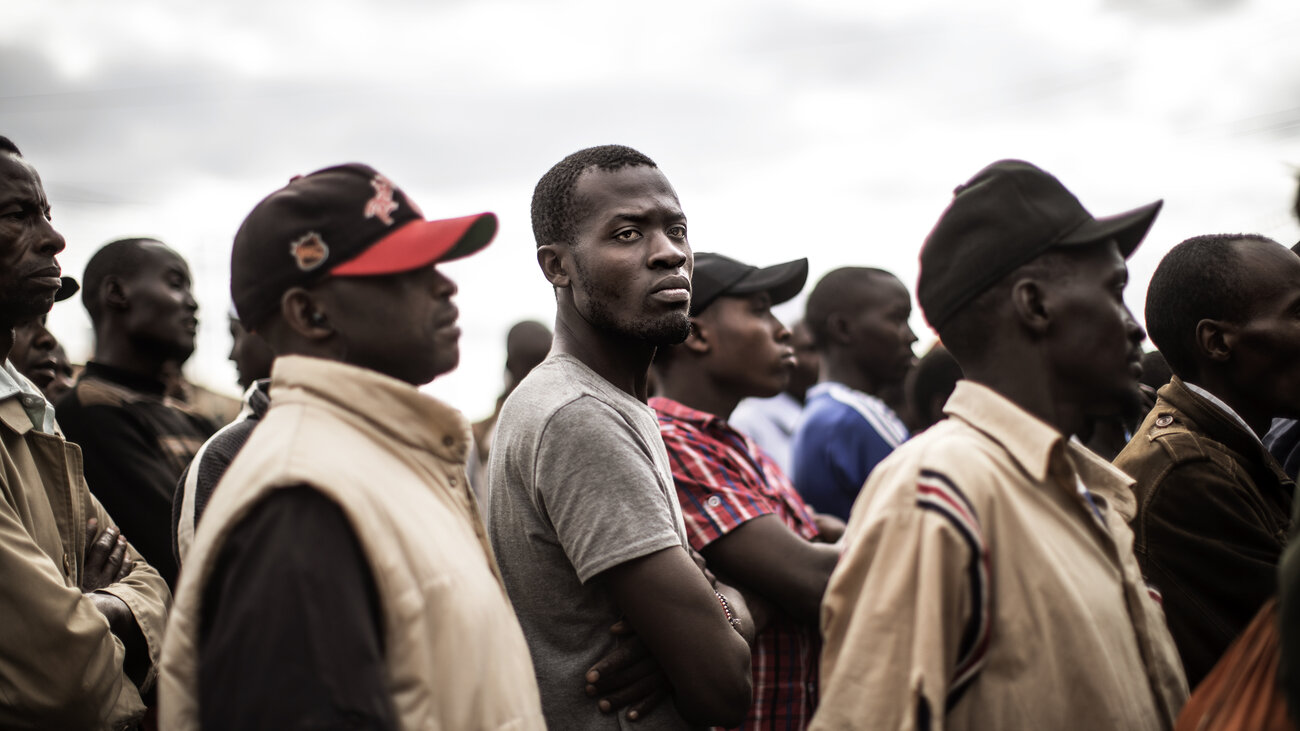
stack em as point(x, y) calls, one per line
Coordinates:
point(938, 494)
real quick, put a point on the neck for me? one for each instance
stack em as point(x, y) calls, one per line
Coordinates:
point(838, 367)
point(1031, 387)
point(623, 362)
point(690, 388)
point(119, 353)
point(1259, 417)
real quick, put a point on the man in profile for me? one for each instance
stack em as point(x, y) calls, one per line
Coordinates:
point(988, 579)
point(82, 613)
point(771, 422)
point(584, 516)
point(1213, 506)
point(859, 322)
point(136, 439)
point(341, 576)
point(741, 511)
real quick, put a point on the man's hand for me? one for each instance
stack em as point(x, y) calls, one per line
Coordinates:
point(106, 560)
point(829, 527)
point(627, 676)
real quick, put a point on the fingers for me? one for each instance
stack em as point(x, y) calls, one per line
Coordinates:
point(98, 552)
point(640, 709)
point(609, 670)
point(114, 564)
point(127, 565)
point(628, 673)
point(641, 694)
point(92, 526)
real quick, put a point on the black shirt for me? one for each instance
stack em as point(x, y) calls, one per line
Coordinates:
point(135, 442)
point(291, 634)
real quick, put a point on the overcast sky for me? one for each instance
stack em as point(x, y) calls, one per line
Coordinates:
point(831, 130)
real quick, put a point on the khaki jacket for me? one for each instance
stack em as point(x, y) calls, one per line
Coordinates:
point(60, 666)
point(980, 589)
point(394, 462)
point(1213, 515)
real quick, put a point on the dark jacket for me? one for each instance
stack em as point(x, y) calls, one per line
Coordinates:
point(1214, 512)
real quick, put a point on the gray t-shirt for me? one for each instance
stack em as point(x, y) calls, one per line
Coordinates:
point(580, 483)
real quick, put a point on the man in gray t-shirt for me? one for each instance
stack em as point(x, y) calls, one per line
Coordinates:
point(584, 518)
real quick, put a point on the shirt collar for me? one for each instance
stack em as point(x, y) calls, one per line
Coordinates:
point(394, 407)
point(1036, 446)
point(14, 385)
point(680, 411)
point(1028, 440)
point(1218, 403)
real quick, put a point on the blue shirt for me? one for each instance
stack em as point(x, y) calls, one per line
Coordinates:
point(843, 435)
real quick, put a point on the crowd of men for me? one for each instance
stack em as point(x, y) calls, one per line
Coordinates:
point(682, 512)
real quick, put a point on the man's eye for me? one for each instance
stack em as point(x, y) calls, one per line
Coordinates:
point(630, 234)
point(677, 232)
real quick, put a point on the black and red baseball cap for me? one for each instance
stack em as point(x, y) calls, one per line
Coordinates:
point(342, 221)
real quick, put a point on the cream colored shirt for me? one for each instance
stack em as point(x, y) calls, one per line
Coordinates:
point(979, 589)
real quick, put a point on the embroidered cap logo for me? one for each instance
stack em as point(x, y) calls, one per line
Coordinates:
point(382, 205)
point(309, 251)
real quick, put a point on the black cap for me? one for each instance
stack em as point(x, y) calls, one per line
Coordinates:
point(67, 289)
point(716, 275)
point(346, 221)
point(1003, 218)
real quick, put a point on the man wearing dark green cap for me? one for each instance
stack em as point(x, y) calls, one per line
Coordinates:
point(988, 579)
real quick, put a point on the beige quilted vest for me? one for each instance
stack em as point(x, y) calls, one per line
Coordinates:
point(394, 461)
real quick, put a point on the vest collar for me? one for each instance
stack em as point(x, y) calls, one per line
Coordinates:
point(388, 405)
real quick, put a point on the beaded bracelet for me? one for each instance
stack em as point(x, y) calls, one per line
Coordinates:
point(726, 609)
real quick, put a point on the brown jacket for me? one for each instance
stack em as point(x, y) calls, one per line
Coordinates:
point(1214, 511)
point(60, 666)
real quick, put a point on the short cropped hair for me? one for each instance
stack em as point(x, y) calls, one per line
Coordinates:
point(7, 146)
point(1201, 278)
point(833, 293)
point(117, 258)
point(555, 211)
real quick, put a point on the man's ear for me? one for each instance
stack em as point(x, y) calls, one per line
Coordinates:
point(1216, 339)
point(113, 294)
point(303, 313)
point(555, 263)
point(1029, 302)
point(838, 328)
point(699, 340)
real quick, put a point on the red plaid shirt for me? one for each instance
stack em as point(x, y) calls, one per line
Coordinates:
point(724, 480)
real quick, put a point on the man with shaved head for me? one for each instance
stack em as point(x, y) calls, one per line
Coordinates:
point(1213, 506)
point(858, 318)
point(136, 439)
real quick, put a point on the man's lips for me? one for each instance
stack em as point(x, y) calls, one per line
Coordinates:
point(48, 277)
point(673, 289)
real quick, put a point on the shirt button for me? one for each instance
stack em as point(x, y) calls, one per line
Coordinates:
point(713, 501)
point(67, 565)
point(452, 482)
point(1164, 420)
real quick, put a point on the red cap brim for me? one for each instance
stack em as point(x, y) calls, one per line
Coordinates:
point(421, 243)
